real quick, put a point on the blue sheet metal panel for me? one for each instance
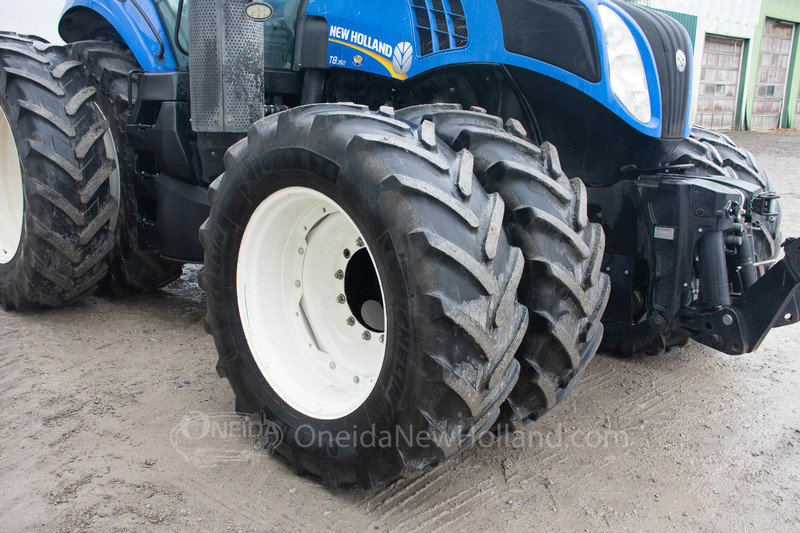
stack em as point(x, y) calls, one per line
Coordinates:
point(380, 38)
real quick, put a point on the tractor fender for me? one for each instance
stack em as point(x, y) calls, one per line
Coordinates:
point(120, 21)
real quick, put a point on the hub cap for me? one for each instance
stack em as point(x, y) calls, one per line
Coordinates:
point(311, 303)
point(12, 198)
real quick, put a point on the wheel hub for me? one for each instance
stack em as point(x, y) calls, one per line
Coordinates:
point(311, 303)
point(12, 197)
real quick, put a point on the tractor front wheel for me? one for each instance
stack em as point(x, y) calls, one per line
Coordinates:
point(361, 292)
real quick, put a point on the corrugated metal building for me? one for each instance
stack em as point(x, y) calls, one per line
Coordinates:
point(746, 58)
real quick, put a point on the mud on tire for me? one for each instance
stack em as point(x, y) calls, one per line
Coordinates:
point(56, 191)
point(562, 286)
point(448, 276)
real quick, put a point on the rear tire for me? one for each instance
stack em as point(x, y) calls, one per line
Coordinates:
point(56, 197)
point(711, 154)
point(562, 286)
point(448, 281)
point(133, 269)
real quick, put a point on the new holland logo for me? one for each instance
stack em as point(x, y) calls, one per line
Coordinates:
point(402, 57)
point(680, 60)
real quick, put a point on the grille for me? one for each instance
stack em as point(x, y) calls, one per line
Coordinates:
point(226, 66)
point(440, 24)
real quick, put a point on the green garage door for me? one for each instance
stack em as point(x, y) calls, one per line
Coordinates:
point(773, 71)
point(719, 82)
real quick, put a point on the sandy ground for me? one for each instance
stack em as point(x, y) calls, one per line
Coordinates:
point(99, 410)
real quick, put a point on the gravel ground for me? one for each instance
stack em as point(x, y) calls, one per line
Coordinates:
point(101, 410)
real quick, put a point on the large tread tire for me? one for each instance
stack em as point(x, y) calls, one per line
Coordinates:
point(453, 320)
point(711, 154)
point(133, 269)
point(546, 216)
point(66, 239)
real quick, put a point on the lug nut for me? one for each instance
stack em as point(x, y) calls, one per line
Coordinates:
point(339, 274)
point(346, 253)
point(341, 299)
point(381, 339)
point(366, 336)
point(727, 319)
point(351, 321)
point(360, 242)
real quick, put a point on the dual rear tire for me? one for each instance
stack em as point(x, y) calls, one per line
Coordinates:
point(67, 193)
point(364, 297)
point(57, 178)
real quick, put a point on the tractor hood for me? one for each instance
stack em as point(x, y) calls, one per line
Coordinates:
point(633, 60)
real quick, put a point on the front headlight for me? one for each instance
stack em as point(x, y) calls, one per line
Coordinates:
point(628, 78)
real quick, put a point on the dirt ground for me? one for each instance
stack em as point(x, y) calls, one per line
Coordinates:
point(103, 406)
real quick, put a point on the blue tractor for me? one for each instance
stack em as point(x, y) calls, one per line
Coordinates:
point(396, 258)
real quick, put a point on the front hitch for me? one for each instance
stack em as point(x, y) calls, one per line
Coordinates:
point(742, 325)
point(680, 253)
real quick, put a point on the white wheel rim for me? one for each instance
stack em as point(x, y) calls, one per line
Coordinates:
point(12, 197)
point(321, 357)
point(113, 178)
